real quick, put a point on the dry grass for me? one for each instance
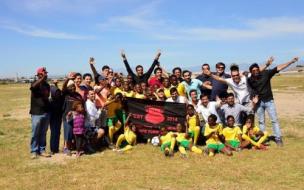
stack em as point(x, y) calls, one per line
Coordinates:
point(144, 167)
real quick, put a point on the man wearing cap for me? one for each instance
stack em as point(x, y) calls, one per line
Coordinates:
point(39, 110)
point(260, 83)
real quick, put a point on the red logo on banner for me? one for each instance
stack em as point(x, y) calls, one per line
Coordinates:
point(154, 115)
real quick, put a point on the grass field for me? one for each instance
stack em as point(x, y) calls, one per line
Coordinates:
point(145, 167)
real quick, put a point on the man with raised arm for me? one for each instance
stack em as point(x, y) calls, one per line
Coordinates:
point(260, 84)
point(140, 76)
point(104, 71)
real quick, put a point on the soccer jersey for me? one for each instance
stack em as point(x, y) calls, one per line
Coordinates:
point(167, 92)
point(255, 130)
point(129, 94)
point(192, 122)
point(139, 96)
point(129, 135)
point(214, 139)
point(232, 133)
point(166, 138)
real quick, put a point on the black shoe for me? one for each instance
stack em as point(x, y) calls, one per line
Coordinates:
point(279, 142)
point(89, 149)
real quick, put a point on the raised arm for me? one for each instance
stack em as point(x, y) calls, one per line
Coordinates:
point(92, 62)
point(124, 58)
point(284, 65)
point(155, 62)
point(268, 63)
point(38, 82)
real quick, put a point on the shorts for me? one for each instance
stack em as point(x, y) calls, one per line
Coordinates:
point(191, 134)
point(216, 147)
point(234, 143)
point(164, 146)
point(184, 143)
point(112, 121)
point(121, 115)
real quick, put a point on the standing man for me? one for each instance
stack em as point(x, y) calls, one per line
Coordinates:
point(206, 79)
point(260, 83)
point(40, 91)
point(140, 76)
point(217, 86)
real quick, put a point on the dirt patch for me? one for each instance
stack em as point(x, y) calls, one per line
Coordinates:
point(290, 104)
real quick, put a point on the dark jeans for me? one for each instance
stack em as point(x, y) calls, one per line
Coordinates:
point(79, 142)
point(55, 126)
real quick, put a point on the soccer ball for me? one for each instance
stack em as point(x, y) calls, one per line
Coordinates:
point(155, 141)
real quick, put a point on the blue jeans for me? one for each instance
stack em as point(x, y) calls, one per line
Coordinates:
point(40, 125)
point(55, 126)
point(269, 106)
point(67, 130)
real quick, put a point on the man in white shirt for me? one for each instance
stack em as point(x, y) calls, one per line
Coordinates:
point(176, 98)
point(206, 108)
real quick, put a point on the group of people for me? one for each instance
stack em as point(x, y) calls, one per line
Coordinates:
point(92, 108)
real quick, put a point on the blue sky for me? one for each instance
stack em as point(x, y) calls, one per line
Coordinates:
point(62, 34)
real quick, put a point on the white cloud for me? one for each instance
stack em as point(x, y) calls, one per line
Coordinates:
point(40, 32)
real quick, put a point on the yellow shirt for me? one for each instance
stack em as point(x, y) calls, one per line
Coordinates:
point(114, 90)
point(130, 136)
point(113, 108)
point(166, 138)
point(180, 89)
point(232, 133)
point(255, 130)
point(167, 92)
point(139, 96)
point(214, 139)
point(192, 123)
point(129, 94)
point(181, 137)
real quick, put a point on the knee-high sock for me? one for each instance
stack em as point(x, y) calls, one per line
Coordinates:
point(182, 150)
point(111, 133)
point(172, 144)
point(126, 148)
point(246, 137)
point(119, 140)
point(196, 150)
point(263, 138)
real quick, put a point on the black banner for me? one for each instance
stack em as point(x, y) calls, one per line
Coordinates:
point(149, 116)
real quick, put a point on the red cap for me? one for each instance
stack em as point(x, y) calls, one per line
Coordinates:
point(41, 70)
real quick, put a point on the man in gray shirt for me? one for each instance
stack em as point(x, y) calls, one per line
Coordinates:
point(235, 109)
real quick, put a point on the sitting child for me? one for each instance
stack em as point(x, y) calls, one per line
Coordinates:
point(213, 133)
point(232, 134)
point(252, 135)
point(184, 141)
point(127, 140)
point(167, 141)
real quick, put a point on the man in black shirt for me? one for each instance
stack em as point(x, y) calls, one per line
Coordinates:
point(40, 91)
point(140, 76)
point(206, 79)
point(260, 84)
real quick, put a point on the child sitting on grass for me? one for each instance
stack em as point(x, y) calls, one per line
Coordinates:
point(252, 135)
point(127, 140)
point(214, 136)
point(77, 119)
point(167, 141)
point(193, 123)
point(232, 134)
point(184, 142)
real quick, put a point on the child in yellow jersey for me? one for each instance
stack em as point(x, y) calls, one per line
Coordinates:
point(166, 87)
point(179, 86)
point(127, 140)
point(252, 135)
point(139, 92)
point(167, 141)
point(192, 124)
point(184, 141)
point(232, 135)
point(115, 116)
point(214, 135)
point(117, 88)
point(127, 92)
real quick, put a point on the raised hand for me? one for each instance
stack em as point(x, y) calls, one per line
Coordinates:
point(295, 59)
point(123, 54)
point(91, 60)
point(270, 60)
point(158, 53)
